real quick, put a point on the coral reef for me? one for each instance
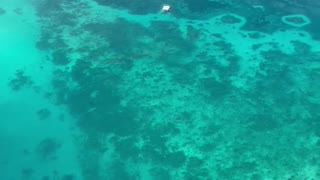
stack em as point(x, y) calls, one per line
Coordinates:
point(47, 148)
point(21, 80)
point(212, 90)
point(296, 20)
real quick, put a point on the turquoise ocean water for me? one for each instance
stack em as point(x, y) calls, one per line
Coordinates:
point(118, 90)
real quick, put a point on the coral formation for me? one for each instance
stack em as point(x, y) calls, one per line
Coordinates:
point(21, 80)
point(296, 20)
point(210, 90)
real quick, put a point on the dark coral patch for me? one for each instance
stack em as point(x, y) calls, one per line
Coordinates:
point(21, 80)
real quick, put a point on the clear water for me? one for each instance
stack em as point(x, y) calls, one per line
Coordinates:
point(118, 90)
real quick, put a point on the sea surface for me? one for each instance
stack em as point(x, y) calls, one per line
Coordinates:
point(120, 90)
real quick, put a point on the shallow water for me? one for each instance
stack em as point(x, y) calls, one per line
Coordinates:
point(103, 90)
